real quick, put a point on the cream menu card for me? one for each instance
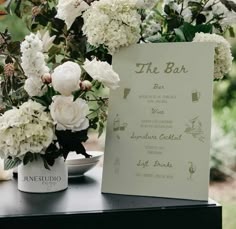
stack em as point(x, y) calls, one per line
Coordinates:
point(159, 121)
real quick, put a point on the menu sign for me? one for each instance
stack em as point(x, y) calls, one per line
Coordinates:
point(159, 121)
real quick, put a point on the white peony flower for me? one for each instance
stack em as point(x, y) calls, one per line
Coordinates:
point(223, 57)
point(112, 23)
point(27, 129)
point(103, 72)
point(68, 114)
point(66, 78)
point(34, 87)
point(47, 41)
point(69, 10)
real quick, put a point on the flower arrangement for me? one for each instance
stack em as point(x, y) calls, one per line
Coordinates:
point(51, 81)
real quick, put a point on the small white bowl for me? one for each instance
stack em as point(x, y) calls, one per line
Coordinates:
point(77, 159)
point(77, 164)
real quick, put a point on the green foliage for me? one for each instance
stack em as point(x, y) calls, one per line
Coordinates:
point(10, 163)
point(229, 212)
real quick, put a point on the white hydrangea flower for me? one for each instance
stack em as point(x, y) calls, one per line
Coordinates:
point(69, 114)
point(112, 23)
point(33, 60)
point(27, 129)
point(223, 56)
point(69, 10)
point(103, 72)
point(66, 78)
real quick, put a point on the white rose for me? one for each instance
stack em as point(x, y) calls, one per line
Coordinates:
point(34, 86)
point(103, 72)
point(68, 114)
point(66, 78)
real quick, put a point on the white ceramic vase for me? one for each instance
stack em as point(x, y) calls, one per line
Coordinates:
point(35, 178)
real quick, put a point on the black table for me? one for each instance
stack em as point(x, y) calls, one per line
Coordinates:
point(83, 206)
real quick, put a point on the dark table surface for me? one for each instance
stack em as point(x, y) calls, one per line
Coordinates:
point(82, 196)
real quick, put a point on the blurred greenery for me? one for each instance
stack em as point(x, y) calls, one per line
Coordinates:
point(229, 213)
point(14, 25)
point(225, 111)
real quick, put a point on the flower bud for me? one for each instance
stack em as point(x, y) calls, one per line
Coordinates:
point(85, 85)
point(36, 10)
point(9, 69)
point(46, 78)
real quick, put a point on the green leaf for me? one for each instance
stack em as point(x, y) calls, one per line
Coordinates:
point(195, 4)
point(174, 22)
point(200, 19)
point(167, 9)
point(205, 28)
point(180, 35)
point(40, 100)
point(29, 157)
point(45, 163)
point(100, 129)
point(231, 32)
point(90, 48)
point(9, 60)
point(11, 163)
point(190, 30)
point(1, 69)
point(17, 9)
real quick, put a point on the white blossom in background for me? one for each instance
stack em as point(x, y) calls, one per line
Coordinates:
point(33, 60)
point(69, 10)
point(66, 78)
point(223, 56)
point(215, 7)
point(46, 39)
point(27, 129)
point(230, 20)
point(182, 9)
point(146, 4)
point(102, 72)
point(150, 26)
point(112, 23)
point(222, 148)
point(68, 114)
